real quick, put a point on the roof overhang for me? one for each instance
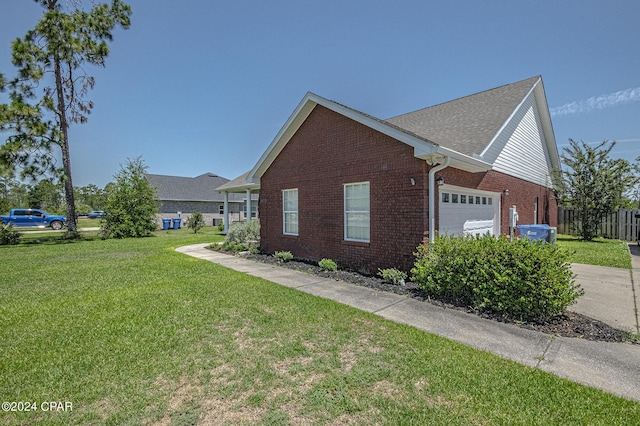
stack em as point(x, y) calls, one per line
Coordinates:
point(547, 126)
point(457, 160)
point(422, 148)
point(239, 185)
point(241, 188)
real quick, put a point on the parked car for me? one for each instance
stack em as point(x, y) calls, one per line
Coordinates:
point(96, 214)
point(33, 218)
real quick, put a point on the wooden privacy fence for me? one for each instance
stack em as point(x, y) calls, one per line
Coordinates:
point(620, 224)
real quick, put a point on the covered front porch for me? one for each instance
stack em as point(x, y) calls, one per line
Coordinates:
point(241, 185)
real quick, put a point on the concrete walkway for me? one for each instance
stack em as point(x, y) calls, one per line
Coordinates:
point(610, 294)
point(613, 367)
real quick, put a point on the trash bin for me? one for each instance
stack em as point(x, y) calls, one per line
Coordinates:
point(166, 224)
point(176, 222)
point(534, 232)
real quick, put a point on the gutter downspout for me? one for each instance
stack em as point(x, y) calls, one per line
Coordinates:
point(432, 197)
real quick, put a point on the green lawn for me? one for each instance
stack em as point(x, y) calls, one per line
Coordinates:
point(132, 332)
point(600, 251)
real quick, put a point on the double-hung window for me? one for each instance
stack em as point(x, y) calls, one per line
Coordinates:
point(290, 211)
point(357, 212)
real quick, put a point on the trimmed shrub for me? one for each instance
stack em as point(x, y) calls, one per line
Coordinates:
point(244, 234)
point(8, 235)
point(393, 275)
point(525, 280)
point(283, 256)
point(328, 265)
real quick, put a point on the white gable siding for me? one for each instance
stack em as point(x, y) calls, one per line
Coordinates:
point(520, 149)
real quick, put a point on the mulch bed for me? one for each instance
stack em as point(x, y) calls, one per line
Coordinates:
point(570, 324)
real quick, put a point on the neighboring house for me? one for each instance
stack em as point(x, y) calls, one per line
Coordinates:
point(366, 192)
point(186, 195)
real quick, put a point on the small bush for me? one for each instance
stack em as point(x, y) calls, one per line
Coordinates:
point(283, 256)
point(8, 235)
point(234, 247)
point(245, 234)
point(522, 279)
point(328, 265)
point(393, 275)
point(195, 222)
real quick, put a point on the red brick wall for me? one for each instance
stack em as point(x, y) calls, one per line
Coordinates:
point(330, 150)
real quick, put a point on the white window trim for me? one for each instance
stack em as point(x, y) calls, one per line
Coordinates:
point(368, 212)
point(284, 212)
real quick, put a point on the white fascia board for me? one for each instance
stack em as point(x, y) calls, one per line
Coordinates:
point(422, 148)
point(547, 125)
point(302, 111)
point(516, 109)
point(293, 123)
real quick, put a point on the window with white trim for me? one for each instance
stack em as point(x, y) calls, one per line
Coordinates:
point(357, 212)
point(290, 211)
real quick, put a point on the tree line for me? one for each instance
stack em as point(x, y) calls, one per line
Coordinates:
point(49, 194)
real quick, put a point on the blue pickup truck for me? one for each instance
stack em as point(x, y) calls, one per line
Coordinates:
point(33, 218)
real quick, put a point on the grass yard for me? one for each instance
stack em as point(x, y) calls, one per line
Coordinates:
point(131, 332)
point(600, 251)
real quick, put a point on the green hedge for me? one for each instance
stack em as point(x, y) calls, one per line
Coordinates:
point(523, 279)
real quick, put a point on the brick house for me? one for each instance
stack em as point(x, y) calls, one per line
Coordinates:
point(365, 192)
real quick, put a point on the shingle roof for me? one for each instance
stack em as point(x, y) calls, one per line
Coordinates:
point(178, 188)
point(238, 184)
point(467, 124)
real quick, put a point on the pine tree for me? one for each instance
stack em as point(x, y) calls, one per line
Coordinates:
point(40, 109)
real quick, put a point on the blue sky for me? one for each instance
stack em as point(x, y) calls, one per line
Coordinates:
point(199, 86)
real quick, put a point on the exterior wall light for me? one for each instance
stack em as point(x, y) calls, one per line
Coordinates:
point(440, 181)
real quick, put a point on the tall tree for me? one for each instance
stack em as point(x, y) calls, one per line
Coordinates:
point(594, 183)
point(40, 112)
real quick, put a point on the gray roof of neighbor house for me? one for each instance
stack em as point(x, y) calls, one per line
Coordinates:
point(199, 188)
point(467, 125)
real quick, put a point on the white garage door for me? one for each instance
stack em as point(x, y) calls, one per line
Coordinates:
point(464, 211)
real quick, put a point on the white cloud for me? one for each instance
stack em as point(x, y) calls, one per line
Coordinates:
point(597, 102)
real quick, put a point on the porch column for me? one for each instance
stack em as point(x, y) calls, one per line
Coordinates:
point(226, 212)
point(248, 205)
